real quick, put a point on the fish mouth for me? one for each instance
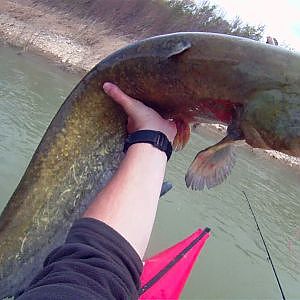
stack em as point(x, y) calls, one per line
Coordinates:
point(270, 141)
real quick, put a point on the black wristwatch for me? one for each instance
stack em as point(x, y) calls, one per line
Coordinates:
point(155, 138)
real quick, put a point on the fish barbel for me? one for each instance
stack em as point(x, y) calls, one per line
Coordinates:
point(252, 87)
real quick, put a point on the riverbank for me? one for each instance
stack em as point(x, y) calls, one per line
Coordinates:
point(68, 41)
point(74, 43)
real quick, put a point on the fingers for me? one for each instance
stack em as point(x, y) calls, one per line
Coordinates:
point(139, 115)
point(120, 97)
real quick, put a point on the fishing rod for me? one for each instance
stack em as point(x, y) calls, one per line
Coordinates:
point(268, 253)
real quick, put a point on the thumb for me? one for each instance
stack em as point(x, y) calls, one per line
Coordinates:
point(129, 104)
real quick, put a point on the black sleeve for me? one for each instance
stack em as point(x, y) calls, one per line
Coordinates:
point(95, 262)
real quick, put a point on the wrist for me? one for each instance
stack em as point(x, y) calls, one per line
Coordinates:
point(146, 150)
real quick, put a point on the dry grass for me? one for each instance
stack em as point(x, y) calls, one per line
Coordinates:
point(79, 33)
point(142, 18)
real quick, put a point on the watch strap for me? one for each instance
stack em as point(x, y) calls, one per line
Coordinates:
point(156, 138)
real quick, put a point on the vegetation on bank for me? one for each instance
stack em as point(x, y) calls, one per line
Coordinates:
point(142, 18)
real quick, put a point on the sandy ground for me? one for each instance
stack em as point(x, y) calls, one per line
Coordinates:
point(73, 43)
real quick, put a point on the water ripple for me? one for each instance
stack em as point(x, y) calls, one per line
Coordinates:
point(31, 92)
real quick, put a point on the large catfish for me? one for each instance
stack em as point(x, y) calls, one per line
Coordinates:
point(252, 87)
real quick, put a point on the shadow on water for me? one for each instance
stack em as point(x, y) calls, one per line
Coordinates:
point(233, 264)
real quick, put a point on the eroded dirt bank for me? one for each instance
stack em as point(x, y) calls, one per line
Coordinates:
point(65, 39)
point(72, 42)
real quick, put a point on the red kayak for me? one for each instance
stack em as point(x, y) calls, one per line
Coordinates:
point(166, 273)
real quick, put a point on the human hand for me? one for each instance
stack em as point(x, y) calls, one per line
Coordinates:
point(140, 116)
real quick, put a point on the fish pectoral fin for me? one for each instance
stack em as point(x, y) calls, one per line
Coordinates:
point(179, 48)
point(166, 187)
point(183, 134)
point(211, 166)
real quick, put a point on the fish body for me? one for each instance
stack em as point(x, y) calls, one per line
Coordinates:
point(192, 76)
point(189, 77)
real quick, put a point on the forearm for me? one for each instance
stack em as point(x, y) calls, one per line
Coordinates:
point(98, 264)
point(129, 202)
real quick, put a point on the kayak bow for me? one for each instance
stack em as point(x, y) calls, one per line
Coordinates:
point(166, 273)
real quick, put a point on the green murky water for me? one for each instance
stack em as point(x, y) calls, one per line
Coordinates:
point(233, 264)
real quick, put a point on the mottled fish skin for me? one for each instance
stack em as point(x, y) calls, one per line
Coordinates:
point(184, 76)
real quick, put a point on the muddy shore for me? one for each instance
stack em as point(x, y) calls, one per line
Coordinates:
point(75, 44)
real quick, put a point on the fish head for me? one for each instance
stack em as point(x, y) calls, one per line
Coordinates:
point(271, 120)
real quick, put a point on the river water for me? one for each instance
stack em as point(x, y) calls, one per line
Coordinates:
point(233, 263)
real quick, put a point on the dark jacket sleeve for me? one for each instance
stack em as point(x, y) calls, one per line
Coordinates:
point(95, 262)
